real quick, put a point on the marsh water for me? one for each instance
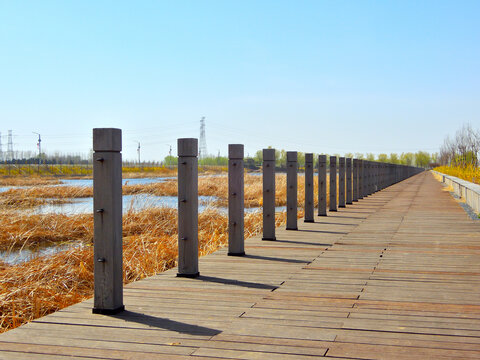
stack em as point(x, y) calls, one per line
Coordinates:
point(85, 205)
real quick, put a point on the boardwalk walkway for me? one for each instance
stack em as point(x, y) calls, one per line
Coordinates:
point(395, 276)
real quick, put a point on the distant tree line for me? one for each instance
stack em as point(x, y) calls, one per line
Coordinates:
point(461, 150)
point(420, 158)
point(29, 157)
point(204, 161)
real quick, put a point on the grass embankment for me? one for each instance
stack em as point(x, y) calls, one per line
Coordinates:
point(470, 173)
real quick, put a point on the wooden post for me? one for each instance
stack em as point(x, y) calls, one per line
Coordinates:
point(341, 182)
point(360, 178)
point(349, 181)
point(309, 205)
point(355, 180)
point(268, 194)
point(235, 200)
point(292, 190)
point(365, 178)
point(187, 208)
point(107, 219)
point(368, 175)
point(333, 183)
point(371, 167)
point(322, 185)
point(384, 176)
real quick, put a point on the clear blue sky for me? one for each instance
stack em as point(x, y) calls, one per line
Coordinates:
point(313, 76)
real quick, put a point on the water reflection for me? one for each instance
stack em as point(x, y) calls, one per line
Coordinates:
point(26, 254)
point(136, 202)
point(135, 181)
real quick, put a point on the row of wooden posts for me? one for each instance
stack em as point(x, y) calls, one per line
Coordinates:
point(357, 179)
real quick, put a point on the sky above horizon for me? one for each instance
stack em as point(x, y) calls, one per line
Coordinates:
point(312, 76)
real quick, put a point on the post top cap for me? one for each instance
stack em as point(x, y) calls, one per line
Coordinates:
point(309, 157)
point(333, 159)
point(322, 158)
point(269, 154)
point(235, 151)
point(107, 139)
point(187, 147)
point(291, 156)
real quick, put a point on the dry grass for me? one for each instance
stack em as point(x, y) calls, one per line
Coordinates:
point(20, 230)
point(44, 285)
point(22, 198)
point(28, 181)
point(439, 178)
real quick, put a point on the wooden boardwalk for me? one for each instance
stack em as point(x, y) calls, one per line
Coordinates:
point(394, 276)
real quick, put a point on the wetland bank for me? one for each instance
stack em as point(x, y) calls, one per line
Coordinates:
point(47, 256)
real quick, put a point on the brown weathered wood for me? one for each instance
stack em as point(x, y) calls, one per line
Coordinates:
point(322, 185)
point(107, 216)
point(292, 179)
point(268, 208)
point(309, 205)
point(236, 245)
point(333, 184)
point(349, 185)
point(187, 208)
point(341, 182)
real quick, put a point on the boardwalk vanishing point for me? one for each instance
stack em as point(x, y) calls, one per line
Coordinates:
point(394, 276)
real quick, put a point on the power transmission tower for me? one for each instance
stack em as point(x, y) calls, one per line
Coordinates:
point(10, 146)
point(169, 158)
point(138, 151)
point(202, 147)
point(39, 145)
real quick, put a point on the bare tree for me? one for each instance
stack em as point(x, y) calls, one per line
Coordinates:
point(463, 150)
